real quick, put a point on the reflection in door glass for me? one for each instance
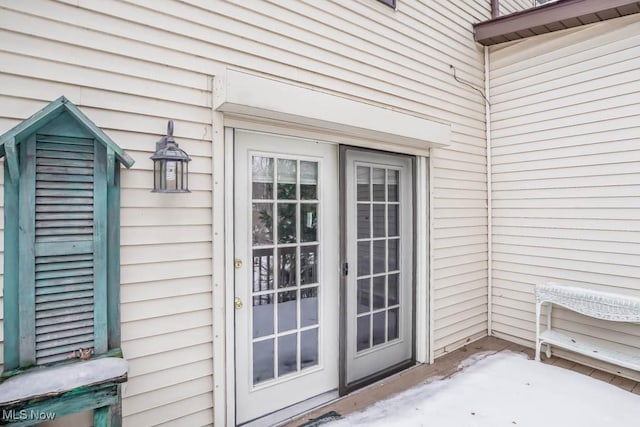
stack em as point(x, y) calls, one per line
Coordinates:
point(262, 315)
point(309, 346)
point(309, 306)
point(262, 223)
point(287, 354)
point(287, 179)
point(308, 180)
point(262, 177)
point(286, 251)
point(263, 361)
point(262, 269)
point(309, 264)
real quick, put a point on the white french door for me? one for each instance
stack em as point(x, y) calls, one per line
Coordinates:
point(286, 271)
point(379, 254)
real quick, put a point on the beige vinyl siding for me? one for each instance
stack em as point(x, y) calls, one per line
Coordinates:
point(507, 7)
point(566, 173)
point(131, 65)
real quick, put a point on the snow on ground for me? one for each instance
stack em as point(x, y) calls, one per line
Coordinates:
point(505, 389)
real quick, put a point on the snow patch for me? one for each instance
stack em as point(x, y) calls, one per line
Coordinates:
point(60, 379)
point(505, 389)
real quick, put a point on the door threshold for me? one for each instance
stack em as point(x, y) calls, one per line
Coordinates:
point(292, 412)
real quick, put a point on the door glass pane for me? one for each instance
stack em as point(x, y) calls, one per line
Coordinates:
point(308, 222)
point(364, 296)
point(262, 269)
point(378, 328)
point(393, 297)
point(262, 177)
point(364, 259)
point(286, 267)
point(262, 315)
point(308, 180)
point(308, 264)
point(392, 185)
point(378, 185)
point(262, 361)
point(378, 221)
point(364, 223)
point(363, 180)
point(378, 292)
point(287, 354)
point(287, 175)
point(379, 265)
point(393, 254)
point(262, 223)
point(287, 311)
point(308, 307)
point(392, 328)
point(286, 222)
point(392, 220)
point(363, 332)
point(309, 348)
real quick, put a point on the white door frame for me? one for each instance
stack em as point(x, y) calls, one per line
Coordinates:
point(222, 241)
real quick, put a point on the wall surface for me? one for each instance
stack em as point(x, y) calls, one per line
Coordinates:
point(508, 7)
point(566, 173)
point(131, 65)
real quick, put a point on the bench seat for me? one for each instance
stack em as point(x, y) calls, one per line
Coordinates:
point(596, 304)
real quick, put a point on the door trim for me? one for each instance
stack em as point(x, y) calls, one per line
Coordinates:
point(344, 387)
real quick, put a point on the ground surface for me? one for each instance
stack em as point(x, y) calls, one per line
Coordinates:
point(445, 367)
point(505, 389)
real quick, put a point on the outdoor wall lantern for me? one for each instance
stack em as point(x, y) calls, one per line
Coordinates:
point(170, 165)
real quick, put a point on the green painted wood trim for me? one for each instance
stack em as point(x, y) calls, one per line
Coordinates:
point(102, 417)
point(11, 278)
point(52, 111)
point(12, 160)
point(78, 400)
point(26, 245)
point(111, 166)
point(100, 249)
point(102, 137)
point(113, 258)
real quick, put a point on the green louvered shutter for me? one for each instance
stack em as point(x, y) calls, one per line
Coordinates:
point(70, 247)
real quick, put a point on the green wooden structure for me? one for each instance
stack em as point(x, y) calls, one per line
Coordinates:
point(62, 256)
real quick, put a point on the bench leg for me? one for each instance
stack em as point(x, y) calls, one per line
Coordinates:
point(549, 306)
point(538, 309)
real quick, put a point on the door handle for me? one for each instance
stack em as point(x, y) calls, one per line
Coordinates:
point(237, 302)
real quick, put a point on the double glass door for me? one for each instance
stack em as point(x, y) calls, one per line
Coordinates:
point(288, 295)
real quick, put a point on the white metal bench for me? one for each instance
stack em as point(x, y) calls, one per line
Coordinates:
point(600, 305)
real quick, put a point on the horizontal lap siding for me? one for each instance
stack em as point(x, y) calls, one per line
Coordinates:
point(130, 65)
point(508, 7)
point(566, 173)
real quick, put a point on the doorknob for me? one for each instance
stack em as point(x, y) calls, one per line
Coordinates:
point(237, 303)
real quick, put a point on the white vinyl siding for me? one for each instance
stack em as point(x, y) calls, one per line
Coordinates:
point(507, 7)
point(132, 65)
point(566, 173)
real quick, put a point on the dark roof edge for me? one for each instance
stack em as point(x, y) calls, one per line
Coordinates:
point(488, 32)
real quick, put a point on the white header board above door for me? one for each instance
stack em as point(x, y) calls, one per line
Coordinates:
point(249, 95)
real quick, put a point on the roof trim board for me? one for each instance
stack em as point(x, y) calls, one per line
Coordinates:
point(551, 17)
point(10, 139)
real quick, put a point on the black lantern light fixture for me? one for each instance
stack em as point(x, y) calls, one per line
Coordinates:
point(170, 165)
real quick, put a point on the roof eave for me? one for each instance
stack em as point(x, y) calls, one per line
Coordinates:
point(51, 112)
point(520, 25)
